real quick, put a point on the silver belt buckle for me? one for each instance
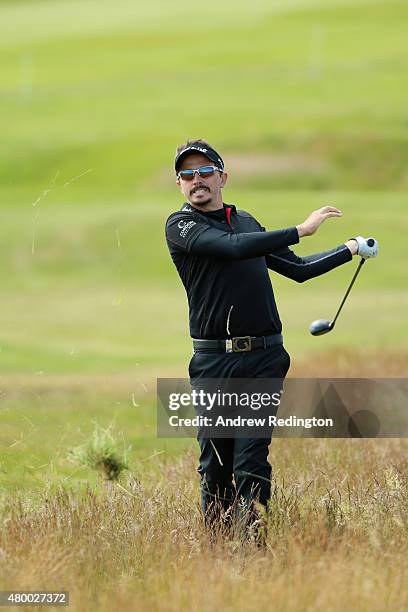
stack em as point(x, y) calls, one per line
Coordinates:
point(228, 346)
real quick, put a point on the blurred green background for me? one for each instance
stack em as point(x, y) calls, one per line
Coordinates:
point(306, 100)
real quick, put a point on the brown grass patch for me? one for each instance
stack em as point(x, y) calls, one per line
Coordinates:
point(351, 363)
point(337, 539)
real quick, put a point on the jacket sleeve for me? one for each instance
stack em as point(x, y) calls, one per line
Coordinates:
point(189, 233)
point(300, 269)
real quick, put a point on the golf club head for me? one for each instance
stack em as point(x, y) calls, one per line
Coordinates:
point(320, 327)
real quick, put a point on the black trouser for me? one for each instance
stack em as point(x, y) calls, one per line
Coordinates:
point(236, 468)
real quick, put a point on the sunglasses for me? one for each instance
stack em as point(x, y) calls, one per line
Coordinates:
point(203, 171)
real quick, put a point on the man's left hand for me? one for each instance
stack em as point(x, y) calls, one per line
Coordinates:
point(366, 247)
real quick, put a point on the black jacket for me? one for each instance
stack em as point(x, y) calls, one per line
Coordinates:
point(223, 257)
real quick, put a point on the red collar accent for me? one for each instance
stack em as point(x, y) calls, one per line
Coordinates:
point(228, 214)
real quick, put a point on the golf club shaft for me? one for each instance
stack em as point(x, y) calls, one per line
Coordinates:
point(360, 265)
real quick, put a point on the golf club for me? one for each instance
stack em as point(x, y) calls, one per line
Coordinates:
point(322, 326)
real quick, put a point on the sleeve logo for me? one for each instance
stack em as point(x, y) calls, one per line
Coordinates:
point(185, 227)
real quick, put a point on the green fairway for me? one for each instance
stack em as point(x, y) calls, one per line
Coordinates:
point(114, 88)
point(100, 293)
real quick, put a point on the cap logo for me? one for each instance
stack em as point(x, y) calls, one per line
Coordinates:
point(197, 149)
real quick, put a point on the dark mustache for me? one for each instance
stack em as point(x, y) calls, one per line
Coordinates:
point(197, 187)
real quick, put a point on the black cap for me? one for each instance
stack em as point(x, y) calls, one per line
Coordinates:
point(200, 148)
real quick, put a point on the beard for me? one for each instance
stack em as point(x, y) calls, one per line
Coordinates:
point(201, 200)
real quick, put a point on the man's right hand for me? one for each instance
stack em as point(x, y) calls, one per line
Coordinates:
point(314, 221)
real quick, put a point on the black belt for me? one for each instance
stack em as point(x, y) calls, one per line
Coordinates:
point(240, 344)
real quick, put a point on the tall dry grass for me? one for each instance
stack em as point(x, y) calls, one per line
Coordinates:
point(337, 537)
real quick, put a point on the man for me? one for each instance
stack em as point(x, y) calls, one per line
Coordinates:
point(222, 256)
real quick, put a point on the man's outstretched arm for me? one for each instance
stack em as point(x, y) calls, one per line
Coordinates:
point(301, 269)
point(285, 262)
